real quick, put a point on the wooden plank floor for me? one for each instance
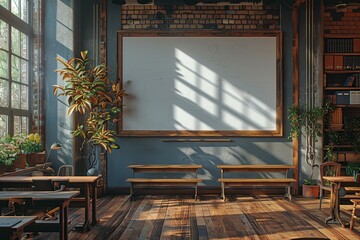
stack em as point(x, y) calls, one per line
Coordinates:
point(180, 217)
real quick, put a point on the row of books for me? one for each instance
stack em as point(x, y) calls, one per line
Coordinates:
point(339, 45)
point(340, 63)
point(342, 45)
point(345, 97)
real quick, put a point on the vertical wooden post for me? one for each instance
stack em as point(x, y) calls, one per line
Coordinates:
point(295, 90)
point(103, 59)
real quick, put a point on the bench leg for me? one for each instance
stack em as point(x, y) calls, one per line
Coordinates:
point(288, 192)
point(196, 192)
point(131, 192)
point(223, 191)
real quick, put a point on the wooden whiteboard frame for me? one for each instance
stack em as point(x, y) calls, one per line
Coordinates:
point(278, 132)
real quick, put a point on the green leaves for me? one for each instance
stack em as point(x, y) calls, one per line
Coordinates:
point(91, 94)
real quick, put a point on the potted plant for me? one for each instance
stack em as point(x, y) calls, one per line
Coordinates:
point(8, 154)
point(309, 122)
point(90, 93)
point(18, 162)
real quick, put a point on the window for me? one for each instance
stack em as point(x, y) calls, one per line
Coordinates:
point(15, 66)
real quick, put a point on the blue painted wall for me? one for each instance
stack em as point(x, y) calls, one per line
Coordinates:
point(239, 151)
point(151, 150)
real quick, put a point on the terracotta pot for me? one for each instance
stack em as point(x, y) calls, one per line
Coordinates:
point(310, 191)
point(40, 157)
point(20, 162)
point(31, 159)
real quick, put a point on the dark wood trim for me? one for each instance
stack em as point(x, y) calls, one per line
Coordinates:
point(295, 94)
point(103, 59)
point(278, 132)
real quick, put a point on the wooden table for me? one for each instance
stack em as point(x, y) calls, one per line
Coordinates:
point(88, 183)
point(12, 227)
point(336, 183)
point(45, 199)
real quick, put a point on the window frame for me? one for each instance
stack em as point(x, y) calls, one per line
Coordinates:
point(14, 21)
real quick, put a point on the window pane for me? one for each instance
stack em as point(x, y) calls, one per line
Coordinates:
point(4, 93)
point(15, 7)
point(4, 64)
point(24, 78)
point(24, 46)
point(4, 3)
point(3, 125)
point(20, 125)
point(24, 97)
point(24, 10)
point(15, 68)
point(4, 35)
point(15, 41)
point(19, 96)
point(20, 9)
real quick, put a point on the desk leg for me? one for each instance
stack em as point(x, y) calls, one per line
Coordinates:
point(87, 207)
point(335, 206)
point(94, 199)
point(86, 225)
point(63, 222)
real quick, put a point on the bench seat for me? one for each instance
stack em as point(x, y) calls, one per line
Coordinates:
point(255, 182)
point(165, 168)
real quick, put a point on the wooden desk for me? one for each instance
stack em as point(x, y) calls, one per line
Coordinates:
point(8, 230)
point(45, 199)
point(336, 183)
point(250, 182)
point(89, 183)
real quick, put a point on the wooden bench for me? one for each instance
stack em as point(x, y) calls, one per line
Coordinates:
point(156, 182)
point(254, 182)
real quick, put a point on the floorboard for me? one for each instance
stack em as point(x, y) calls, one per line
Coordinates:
point(250, 217)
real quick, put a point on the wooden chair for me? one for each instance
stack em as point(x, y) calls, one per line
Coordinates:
point(65, 170)
point(355, 200)
point(327, 169)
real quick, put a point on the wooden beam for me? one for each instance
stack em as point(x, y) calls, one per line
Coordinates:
point(295, 92)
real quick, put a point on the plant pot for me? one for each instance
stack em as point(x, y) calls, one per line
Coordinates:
point(92, 172)
point(31, 159)
point(20, 161)
point(40, 157)
point(310, 191)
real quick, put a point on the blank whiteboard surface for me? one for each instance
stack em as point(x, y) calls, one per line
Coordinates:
point(199, 83)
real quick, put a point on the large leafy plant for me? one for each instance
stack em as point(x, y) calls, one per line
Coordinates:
point(309, 122)
point(90, 93)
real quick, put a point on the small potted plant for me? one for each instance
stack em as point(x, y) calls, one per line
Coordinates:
point(19, 162)
point(8, 154)
point(309, 122)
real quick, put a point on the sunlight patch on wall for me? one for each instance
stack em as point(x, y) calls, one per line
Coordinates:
point(64, 25)
point(205, 91)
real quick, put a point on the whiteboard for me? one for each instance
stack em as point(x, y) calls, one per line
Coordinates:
point(200, 85)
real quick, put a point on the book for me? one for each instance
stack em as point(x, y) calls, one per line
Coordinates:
point(349, 81)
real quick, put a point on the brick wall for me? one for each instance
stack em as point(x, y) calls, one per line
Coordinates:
point(216, 17)
point(344, 21)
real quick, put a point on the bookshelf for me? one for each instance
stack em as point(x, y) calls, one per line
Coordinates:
point(342, 88)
